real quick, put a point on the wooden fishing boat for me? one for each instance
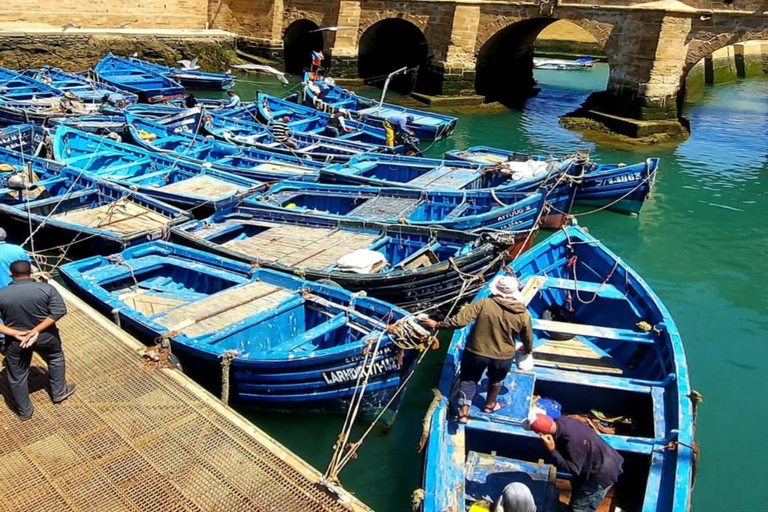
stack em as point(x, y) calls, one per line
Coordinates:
point(462, 210)
point(553, 178)
point(29, 139)
point(420, 268)
point(17, 87)
point(425, 125)
point(234, 126)
point(611, 357)
point(41, 112)
point(23, 176)
point(190, 78)
point(149, 85)
point(240, 160)
point(289, 344)
point(98, 124)
point(307, 119)
point(76, 208)
point(580, 64)
point(618, 187)
point(162, 176)
point(85, 89)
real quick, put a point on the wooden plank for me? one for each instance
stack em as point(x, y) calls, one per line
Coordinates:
point(121, 216)
point(531, 288)
point(594, 331)
point(601, 289)
point(202, 186)
point(386, 207)
point(573, 354)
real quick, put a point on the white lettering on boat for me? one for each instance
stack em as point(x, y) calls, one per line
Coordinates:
point(624, 178)
point(385, 365)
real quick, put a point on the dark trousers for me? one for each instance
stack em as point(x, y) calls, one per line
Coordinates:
point(17, 361)
point(472, 368)
point(331, 131)
point(587, 496)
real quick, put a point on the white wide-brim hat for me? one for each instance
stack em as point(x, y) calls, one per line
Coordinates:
point(506, 287)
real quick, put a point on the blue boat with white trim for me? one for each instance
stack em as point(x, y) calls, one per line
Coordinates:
point(465, 210)
point(15, 86)
point(87, 90)
point(425, 125)
point(149, 85)
point(289, 344)
point(606, 352)
point(189, 78)
point(617, 187)
point(162, 176)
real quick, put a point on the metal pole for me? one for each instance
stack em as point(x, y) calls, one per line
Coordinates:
point(386, 85)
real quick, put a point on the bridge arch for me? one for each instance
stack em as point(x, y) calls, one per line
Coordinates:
point(390, 44)
point(299, 41)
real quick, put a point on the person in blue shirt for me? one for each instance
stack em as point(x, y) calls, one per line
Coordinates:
point(8, 254)
point(401, 124)
point(234, 100)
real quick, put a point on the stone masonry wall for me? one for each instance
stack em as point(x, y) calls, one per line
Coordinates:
point(176, 14)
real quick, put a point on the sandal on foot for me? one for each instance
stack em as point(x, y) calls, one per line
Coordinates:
point(462, 420)
point(496, 408)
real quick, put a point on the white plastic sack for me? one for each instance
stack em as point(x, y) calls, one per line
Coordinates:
point(360, 261)
point(524, 361)
point(527, 169)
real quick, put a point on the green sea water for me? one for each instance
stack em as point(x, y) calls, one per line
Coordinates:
point(701, 242)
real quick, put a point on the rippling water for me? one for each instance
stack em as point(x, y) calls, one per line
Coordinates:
point(701, 242)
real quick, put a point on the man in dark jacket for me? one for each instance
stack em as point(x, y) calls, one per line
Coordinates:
point(491, 346)
point(30, 311)
point(576, 448)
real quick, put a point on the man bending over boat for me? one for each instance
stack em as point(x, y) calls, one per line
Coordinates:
point(491, 347)
point(576, 448)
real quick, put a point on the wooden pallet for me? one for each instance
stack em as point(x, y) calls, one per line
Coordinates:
point(122, 216)
point(301, 246)
point(386, 207)
point(149, 304)
point(448, 178)
point(202, 186)
point(224, 308)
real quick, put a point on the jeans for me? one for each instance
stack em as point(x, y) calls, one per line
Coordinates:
point(472, 368)
point(331, 131)
point(18, 360)
point(587, 496)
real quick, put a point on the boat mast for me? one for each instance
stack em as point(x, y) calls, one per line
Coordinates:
point(386, 85)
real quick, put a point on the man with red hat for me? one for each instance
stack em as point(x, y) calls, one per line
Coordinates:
point(576, 448)
point(491, 346)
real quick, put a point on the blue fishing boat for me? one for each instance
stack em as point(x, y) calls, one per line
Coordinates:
point(162, 176)
point(462, 210)
point(149, 85)
point(618, 187)
point(607, 352)
point(189, 78)
point(17, 87)
point(306, 119)
point(85, 89)
point(553, 178)
point(29, 139)
point(409, 266)
point(241, 160)
point(98, 124)
point(42, 112)
point(233, 126)
point(74, 208)
point(23, 176)
point(328, 97)
point(290, 344)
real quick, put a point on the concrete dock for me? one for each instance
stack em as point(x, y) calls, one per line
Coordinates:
point(141, 438)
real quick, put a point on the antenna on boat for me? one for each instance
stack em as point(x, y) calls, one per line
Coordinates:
point(386, 85)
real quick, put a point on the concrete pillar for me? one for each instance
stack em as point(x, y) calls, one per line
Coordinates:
point(648, 56)
point(694, 82)
point(342, 44)
point(749, 59)
point(458, 68)
point(720, 66)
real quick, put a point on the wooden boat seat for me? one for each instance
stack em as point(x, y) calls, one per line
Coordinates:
point(573, 354)
point(422, 258)
point(489, 158)
point(446, 178)
point(225, 308)
point(202, 186)
point(386, 207)
point(607, 291)
point(458, 211)
point(121, 216)
point(593, 331)
point(302, 246)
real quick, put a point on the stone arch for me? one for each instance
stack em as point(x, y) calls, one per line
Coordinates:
point(704, 43)
point(390, 44)
point(299, 41)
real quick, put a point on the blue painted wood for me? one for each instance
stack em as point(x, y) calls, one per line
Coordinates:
point(288, 354)
point(81, 86)
point(149, 85)
point(191, 79)
point(15, 86)
point(652, 388)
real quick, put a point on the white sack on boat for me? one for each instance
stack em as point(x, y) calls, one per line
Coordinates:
point(528, 169)
point(360, 261)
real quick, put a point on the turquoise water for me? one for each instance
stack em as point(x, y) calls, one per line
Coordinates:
point(701, 242)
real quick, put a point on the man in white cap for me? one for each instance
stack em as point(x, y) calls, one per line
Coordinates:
point(8, 254)
point(516, 497)
point(491, 346)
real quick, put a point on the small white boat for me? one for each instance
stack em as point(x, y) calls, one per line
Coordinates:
point(565, 65)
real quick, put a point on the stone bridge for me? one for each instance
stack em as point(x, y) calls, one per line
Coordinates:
point(463, 46)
